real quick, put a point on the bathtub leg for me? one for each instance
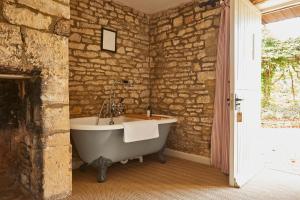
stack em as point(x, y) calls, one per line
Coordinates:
point(161, 157)
point(103, 164)
point(83, 167)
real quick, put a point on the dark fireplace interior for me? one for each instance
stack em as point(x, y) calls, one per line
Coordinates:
point(20, 124)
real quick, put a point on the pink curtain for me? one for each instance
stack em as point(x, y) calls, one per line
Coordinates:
point(221, 130)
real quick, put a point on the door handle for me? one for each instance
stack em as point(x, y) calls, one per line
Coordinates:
point(237, 102)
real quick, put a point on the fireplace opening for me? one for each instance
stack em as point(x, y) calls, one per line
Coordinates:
point(20, 128)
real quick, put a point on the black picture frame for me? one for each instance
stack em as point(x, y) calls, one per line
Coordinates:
point(108, 40)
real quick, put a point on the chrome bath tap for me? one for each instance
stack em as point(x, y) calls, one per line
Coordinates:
point(116, 110)
point(113, 109)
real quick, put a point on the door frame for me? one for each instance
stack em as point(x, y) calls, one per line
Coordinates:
point(232, 152)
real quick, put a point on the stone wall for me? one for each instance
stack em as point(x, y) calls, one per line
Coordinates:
point(183, 52)
point(181, 43)
point(34, 37)
point(92, 70)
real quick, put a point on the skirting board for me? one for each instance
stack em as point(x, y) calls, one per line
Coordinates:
point(188, 156)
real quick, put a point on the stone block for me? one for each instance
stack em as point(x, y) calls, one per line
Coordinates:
point(76, 110)
point(105, 55)
point(55, 119)
point(129, 19)
point(206, 75)
point(168, 101)
point(56, 140)
point(74, 45)
point(49, 7)
point(10, 45)
point(75, 37)
point(23, 16)
point(203, 99)
point(189, 19)
point(109, 7)
point(66, 2)
point(47, 51)
point(62, 27)
point(176, 107)
point(204, 24)
point(57, 175)
point(93, 47)
point(98, 61)
point(211, 12)
point(178, 21)
point(86, 54)
point(55, 90)
point(87, 31)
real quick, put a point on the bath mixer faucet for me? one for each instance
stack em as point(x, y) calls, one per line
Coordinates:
point(121, 107)
point(112, 108)
point(116, 110)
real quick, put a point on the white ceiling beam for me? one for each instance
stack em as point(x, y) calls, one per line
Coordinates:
point(273, 5)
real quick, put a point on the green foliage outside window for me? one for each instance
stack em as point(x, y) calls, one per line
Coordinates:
point(279, 57)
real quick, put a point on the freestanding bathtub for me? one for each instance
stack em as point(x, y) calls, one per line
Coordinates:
point(102, 145)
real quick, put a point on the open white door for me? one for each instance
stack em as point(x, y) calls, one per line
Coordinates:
point(245, 91)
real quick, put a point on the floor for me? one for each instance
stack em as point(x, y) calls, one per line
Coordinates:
point(180, 180)
point(284, 162)
point(283, 150)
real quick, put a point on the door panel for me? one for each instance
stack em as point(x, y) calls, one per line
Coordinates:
point(245, 87)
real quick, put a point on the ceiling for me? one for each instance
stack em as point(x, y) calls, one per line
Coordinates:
point(273, 10)
point(257, 1)
point(283, 14)
point(152, 6)
point(278, 10)
point(271, 5)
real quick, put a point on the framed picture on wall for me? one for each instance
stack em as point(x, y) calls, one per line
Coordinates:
point(108, 40)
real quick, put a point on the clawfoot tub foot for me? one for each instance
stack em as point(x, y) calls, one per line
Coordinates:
point(103, 164)
point(161, 157)
point(83, 167)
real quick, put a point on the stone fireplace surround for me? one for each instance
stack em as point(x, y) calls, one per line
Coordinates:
point(34, 37)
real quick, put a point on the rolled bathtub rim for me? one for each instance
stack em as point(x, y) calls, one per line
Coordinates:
point(76, 126)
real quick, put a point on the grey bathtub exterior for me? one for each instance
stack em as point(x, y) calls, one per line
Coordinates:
point(101, 148)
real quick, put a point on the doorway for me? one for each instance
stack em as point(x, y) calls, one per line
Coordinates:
point(280, 114)
point(250, 143)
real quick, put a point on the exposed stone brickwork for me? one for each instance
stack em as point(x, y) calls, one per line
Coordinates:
point(181, 43)
point(180, 79)
point(33, 37)
point(183, 52)
point(92, 70)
